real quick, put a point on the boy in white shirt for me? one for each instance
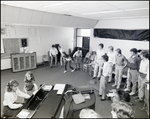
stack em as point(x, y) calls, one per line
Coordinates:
point(106, 70)
point(99, 53)
point(53, 55)
point(78, 57)
point(144, 67)
point(111, 59)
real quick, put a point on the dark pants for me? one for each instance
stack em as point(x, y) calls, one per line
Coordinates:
point(9, 112)
point(66, 62)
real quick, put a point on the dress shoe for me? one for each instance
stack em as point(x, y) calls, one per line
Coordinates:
point(103, 99)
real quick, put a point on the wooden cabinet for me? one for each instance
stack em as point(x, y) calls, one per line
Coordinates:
point(23, 61)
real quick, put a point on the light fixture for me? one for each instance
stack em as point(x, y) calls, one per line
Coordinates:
point(90, 13)
point(56, 4)
point(111, 11)
point(136, 9)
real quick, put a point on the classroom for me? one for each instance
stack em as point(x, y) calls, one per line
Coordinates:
point(75, 59)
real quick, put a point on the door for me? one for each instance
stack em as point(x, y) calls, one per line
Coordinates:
point(85, 45)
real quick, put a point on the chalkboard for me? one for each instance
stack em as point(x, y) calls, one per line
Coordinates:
point(11, 45)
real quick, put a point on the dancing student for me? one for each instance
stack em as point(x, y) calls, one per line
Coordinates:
point(78, 57)
point(120, 63)
point(133, 65)
point(68, 59)
point(12, 91)
point(111, 59)
point(53, 55)
point(99, 53)
point(106, 70)
point(29, 87)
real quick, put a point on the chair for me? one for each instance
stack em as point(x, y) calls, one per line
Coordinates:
point(45, 59)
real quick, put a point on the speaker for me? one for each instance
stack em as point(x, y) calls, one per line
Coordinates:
point(24, 42)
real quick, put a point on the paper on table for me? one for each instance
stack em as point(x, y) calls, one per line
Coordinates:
point(110, 94)
point(86, 96)
point(60, 88)
point(147, 86)
point(24, 113)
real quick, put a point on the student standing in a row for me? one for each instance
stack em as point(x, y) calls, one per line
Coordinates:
point(120, 64)
point(133, 64)
point(111, 60)
point(99, 53)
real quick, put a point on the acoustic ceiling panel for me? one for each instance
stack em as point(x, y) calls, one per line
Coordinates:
point(63, 20)
point(8, 14)
point(25, 16)
point(46, 18)
point(70, 21)
point(76, 22)
point(55, 20)
point(15, 14)
point(93, 23)
point(37, 17)
point(2, 13)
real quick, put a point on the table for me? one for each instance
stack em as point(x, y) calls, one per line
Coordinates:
point(51, 104)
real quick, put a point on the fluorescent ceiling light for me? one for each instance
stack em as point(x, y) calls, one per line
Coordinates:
point(56, 4)
point(124, 17)
point(136, 9)
point(111, 11)
point(101, 12)
point(90, 13)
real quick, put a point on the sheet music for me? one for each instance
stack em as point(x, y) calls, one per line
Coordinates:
point(23, 114)
point(60, 88)
point(147, 86)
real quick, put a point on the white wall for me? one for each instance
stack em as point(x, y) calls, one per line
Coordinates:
point(42, 43)
point(125, 45)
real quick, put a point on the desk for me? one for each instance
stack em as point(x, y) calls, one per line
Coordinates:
point(51, 105)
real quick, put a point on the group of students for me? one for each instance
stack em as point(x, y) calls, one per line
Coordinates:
point(137, 64)
point(65, 58)
point(12, 91)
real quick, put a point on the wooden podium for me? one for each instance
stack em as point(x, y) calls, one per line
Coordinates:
point(23, 61)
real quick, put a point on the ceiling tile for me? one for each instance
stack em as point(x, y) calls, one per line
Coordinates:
point(2, 13)
point(25, 16)
point(37, 17)
point(47, 18)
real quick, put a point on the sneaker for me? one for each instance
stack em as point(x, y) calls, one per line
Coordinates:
point(98, 78)
point(93, 77)
point(109, 81)
point(73, 70)
point(114, 85)
point(103, 99)
point(126, 89)
point(132, 93)
point(65, 71)
point(118, 87)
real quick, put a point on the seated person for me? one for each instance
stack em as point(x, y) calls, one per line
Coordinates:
point(87, 57)
point(122, 110)
point(89, 113)
point(10, 97)
point(118, 95)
